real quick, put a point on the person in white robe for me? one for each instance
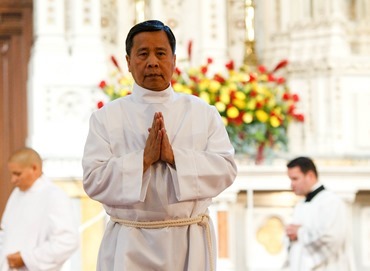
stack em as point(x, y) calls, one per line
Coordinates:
point(319, 231)
point(39, 227)
point(155, 159)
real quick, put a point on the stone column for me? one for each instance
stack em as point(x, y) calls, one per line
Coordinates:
point(86, 42)
point(47, 63)
point(213, 33)
point(67, 64)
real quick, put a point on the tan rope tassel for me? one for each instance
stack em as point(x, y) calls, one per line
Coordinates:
point(201, 220)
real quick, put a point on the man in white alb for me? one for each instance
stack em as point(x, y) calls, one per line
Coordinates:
point(318, 234)
point(155, 159)
point(39, 228)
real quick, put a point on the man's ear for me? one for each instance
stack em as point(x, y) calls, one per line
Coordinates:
point(311, 176)
point(174, 61)
point(128, 62)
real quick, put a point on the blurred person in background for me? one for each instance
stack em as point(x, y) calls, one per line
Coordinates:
point(40, 231)
point(318, 235)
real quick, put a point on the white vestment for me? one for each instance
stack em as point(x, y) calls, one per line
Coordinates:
point(113, 175)
point(322, 243)
point(40, 224)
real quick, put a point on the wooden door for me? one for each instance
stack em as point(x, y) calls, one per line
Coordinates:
point(15, 46)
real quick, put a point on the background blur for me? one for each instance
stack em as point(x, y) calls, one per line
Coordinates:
point(54, 54)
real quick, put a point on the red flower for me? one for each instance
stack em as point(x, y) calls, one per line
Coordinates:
point(291, 109)
point(177, 71)
point(280, 80)
point(102, 84)
point(209, 60)
point(232, 96)
point(270, 77)
point(115, 62)
point(262, 69)
point(230, 65)
point(190, 49)
point(259, 105)
point(299, 117)
point(295, 97)
point(100, 104)
point(204, 69)
point(194, 78)
point(286, 96)
point(252, 77)
point(219, 78)
point(280, 65)
point(253, 93)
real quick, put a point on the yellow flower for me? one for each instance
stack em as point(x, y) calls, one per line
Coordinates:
point(240, 100)
point(220, 106)
point(110, 90)
point(205, 96)
point(262, 116)
point(214, 86)
point(125, 81)
point(225, 95)
point(232, 112)
point(263, 77)
point(274, 121)
point(123, 92)
point(251, 105)
point(203, 85)
point(240, 95)
point(193, 71)
point(224, 120)
point(232, 86)
point(247, 117)
point(272, 102)
point(181, 88)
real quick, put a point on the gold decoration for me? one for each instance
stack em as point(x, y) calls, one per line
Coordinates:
point(250, 57)
point(270, 235)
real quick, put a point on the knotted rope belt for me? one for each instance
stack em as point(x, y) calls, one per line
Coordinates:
point(202, 220)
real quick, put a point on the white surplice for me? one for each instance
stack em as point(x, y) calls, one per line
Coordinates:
point(113, 175)
point(323, 243)
point(41, 225)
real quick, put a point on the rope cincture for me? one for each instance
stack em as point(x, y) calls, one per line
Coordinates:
point(202, 220)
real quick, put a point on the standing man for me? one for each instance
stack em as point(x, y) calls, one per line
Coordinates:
point(155, 159)
point(39, 228)
point(318, 234)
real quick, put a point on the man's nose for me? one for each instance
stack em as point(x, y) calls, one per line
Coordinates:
point(152, 61)
point(13, 179)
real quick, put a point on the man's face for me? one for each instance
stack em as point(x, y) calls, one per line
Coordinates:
point(21, 176)
point(301, 183)
point(151, 61)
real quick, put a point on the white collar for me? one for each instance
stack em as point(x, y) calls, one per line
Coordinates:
point(144, 95)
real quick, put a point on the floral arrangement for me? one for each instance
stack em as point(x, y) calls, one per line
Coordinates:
point(256, 106)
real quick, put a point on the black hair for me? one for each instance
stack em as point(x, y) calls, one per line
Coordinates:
point(149, 26)
point(304, 163)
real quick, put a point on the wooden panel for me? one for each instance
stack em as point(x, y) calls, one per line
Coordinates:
point(15, 46)
point(4, 121)
point(223, 234)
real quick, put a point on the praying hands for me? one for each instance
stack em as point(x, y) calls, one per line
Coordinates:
point(157, 145)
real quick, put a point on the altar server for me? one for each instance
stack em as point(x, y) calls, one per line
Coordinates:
point(39, 227)
point(320, 225)
point(155, 159)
